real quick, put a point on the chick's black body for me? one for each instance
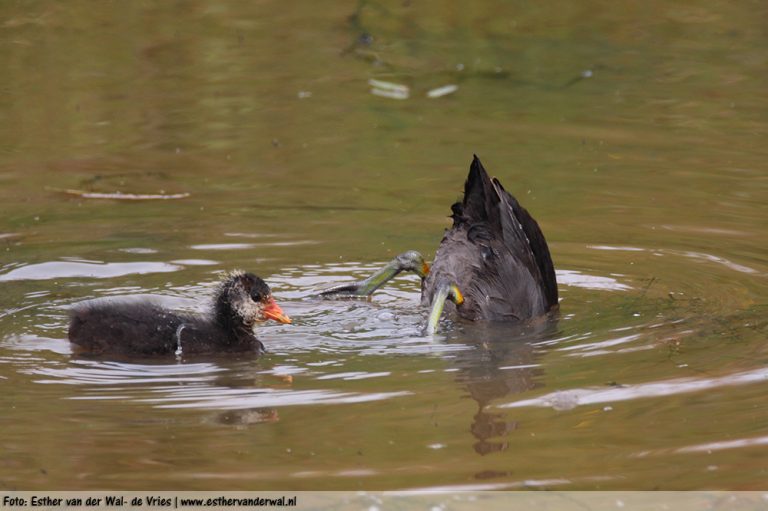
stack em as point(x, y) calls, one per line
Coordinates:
point(495, 253)
point(147, 329)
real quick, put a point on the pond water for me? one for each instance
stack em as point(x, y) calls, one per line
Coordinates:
point(635, 135)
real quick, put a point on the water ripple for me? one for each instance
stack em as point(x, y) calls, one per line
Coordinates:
point(199, 385)
point(227, 399)
point(97, 270)
point(583, 280)
point(117, 373)
point(568, 399)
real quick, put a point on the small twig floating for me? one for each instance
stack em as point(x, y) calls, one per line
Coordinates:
point(389, 89)
point(442, 91)
point(123, 196)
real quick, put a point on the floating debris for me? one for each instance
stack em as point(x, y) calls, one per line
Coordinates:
point(303, 94)
point(389, 94)
point(124, 196)
point(381, 84)
point(389, 89)
point(584, 75)
point(442, 91)
point(223, 246)
point(92, 270)
point(138, 250)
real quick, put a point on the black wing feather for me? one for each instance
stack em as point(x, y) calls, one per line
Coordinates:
point(496, 252)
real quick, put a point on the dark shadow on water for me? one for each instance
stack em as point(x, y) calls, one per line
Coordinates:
point(504, 361)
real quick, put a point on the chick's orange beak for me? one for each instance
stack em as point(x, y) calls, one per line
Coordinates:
point(425, 269)
point(273, 311)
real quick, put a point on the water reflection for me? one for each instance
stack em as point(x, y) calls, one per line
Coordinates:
point(89, 269)
point(697, 256)
point(569, 399)
point(502, 361)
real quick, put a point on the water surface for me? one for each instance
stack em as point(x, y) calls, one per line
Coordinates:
point(145, 149)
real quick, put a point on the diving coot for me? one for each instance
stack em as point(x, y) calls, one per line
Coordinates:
point(495, 254)
point(492, 264)
point(146, 329)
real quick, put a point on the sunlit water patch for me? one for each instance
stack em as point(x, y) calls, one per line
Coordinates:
point(568, 399)
point(90, 269)
point(195, 385)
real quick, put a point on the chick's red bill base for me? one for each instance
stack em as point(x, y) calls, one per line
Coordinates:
point(273, 311)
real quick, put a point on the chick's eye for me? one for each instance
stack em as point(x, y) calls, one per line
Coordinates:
point(256, 296)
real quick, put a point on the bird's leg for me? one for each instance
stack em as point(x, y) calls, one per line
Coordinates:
point(367, 286)
point(446, 290)
point(410, 260)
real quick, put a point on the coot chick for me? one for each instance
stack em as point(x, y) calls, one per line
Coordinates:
point(147, 329)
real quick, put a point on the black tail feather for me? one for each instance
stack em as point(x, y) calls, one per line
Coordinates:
point(483, 203)
point(538, 246)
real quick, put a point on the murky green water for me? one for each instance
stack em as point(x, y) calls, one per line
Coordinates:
point(634, 134)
